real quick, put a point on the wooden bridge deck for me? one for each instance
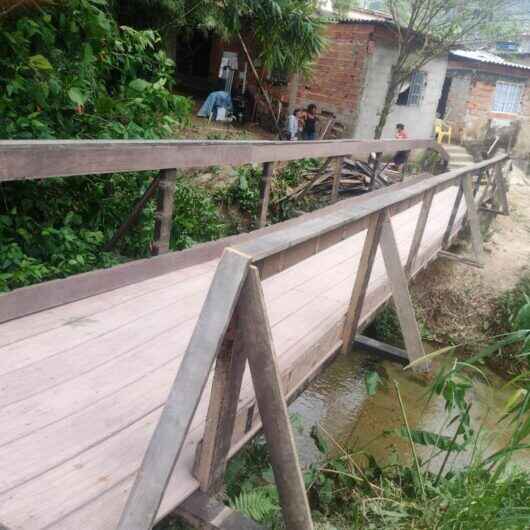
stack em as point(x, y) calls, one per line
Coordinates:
point(82, 385)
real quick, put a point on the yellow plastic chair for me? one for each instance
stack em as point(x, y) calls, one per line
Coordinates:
point(442, 130)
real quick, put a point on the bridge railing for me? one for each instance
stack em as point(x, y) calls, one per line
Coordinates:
point(234, 328)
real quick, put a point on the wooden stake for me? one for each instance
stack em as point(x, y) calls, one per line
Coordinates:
point(212, 452)
point(164, 211)
point(133, 217)
point(336, 179)
point(400, 293)
point(474, 222)
point(362, 280)
point(420, 230)
point(501, 190)
point(266, 182)
point(452, 217)
point(167, 440)
point(272, 406)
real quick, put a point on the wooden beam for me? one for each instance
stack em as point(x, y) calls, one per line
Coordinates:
point(419, 230)
point(336, 179)
point(164, 211)
point(380, 348)
point(31, 159)
point(362, 280)
point(501, 190)
point(134, 215)
point(401, 295)
point(461, 259)
point(452, 217)
point(474, 221)
point(272, 406)
point(207, 513)
point(265, 192)
point(169, 435)
point(226, 386)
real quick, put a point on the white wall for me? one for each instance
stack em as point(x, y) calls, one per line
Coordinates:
point(419, 120)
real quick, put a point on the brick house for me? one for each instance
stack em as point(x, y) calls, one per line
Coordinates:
point(485, 95)
point(349, 79)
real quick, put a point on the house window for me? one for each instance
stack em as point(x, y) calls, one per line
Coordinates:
point(411, 93)
point(507, 97)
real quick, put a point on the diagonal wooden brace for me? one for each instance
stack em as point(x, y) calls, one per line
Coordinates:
point(170, 433)
point(259, 347)
point(401, 295)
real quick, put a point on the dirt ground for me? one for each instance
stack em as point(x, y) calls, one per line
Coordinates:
point(456, 301)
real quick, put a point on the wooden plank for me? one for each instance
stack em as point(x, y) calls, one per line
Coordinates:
point(452, 218)
point(272, 406)
point(166, 444)
point(207, 513)
point(134, 215)
point(228, 375)
point(461, 259)
point(379, 348)
point(401, 295)
point(474, 221)
point(336, 179)
point(420, 230)
point(501, 190)
point(362, 279)
point(30, 159)
point(266, 182)
point(164, 211)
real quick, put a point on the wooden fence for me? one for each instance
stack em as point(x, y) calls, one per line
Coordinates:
point(233, 326)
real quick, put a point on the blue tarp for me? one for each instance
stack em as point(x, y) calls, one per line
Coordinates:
point(214, 101)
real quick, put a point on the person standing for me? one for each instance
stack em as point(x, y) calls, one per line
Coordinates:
point(401, 157)
point(309, 132)
point(293, 125)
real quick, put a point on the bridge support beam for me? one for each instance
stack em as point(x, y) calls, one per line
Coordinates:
point(400, 293)
point(164, 211)
point(266, 183)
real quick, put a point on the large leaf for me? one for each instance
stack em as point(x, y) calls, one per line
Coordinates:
point(39, 62)
point(372, 381)
point(77, 96)
point(139, 84)
point(522, 320)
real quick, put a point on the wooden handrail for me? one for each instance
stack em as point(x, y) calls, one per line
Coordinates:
point(35, 159)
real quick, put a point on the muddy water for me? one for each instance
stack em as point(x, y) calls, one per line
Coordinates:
point(337, 401)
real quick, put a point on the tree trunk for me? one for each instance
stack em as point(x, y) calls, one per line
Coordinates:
point(294, 81)
point(387, 105)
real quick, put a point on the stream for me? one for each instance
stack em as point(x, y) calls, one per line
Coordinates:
point(337, 400)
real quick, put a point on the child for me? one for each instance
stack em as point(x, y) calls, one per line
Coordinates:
point(293, 125)
point(401, 156)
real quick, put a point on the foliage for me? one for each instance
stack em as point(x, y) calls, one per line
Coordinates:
point(342, 7)
point(428, 29)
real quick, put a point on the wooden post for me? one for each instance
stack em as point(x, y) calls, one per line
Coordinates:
point(362, 278)
point(336, 179)
point(474, 222)
point(419, 231)
point(266, 182)
point(226, 386)
point(272, 406)
point(164, 211)
point(377, 163)
point(501, 190)
point(170, 433)
point(401, 295)
point(133, 217)
point(452, 217)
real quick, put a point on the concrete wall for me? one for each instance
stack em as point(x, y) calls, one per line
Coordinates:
point(419, 120)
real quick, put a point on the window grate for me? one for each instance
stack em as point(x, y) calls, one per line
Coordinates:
point(507, 97)
point(417, 84)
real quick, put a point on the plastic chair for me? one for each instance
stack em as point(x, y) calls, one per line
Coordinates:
point(442, 130)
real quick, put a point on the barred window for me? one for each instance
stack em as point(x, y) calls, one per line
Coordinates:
point(507, 97)
point(411, 93)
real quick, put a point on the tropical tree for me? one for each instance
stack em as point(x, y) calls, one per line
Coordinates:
point(428, 29)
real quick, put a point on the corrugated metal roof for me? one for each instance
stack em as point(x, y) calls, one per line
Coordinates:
point(486, 57)
point(362, 16)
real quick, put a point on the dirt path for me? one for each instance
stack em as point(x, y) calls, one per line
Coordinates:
point(456, 301)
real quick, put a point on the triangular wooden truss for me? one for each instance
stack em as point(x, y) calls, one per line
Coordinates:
point(494, 191)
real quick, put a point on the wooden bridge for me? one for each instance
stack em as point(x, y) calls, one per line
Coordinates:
point(124, 391)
